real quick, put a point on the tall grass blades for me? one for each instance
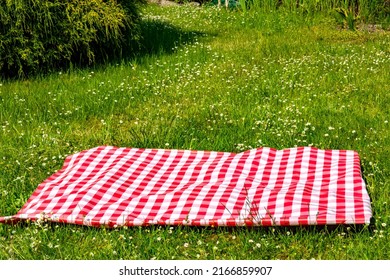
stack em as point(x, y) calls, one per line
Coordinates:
point(347, 17)
point(367, 10)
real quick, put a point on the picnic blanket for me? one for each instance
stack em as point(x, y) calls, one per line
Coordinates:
point(114, 186)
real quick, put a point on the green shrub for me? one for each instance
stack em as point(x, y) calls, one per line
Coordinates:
point(38, 35)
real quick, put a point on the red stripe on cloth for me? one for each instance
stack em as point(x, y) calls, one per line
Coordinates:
point(126, 204)
point(259, 205)
point(260, 187)
point(242, 198)
point(174, 188)
point(75, 176)
point(289, 198)
point(140, 182)
point(215, 178)
point(90, 196)
point(341, 181)
point(159, 212)
point(192, 188)
point(228, 185)
point(361, 199)
point(277, 179)
point(89, 191)
point(324, 209)
point(308, 187)
point(153, 184)
point(122, 179)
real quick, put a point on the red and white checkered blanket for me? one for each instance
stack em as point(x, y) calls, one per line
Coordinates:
point(129, 186)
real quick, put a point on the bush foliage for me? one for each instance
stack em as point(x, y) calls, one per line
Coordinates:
point(45, 34)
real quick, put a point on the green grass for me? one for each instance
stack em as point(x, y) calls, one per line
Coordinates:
point(212, 80)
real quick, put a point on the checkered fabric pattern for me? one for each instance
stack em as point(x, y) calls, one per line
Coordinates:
point(261, 187)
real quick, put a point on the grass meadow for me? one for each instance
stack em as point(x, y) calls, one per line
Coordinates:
point(206, 79)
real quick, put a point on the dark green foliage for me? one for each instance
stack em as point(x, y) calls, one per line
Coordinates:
point(39, 35)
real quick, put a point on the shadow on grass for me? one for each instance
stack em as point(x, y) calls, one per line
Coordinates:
point(159, 37)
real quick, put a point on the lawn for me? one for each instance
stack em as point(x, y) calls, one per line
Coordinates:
point(206, 79)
